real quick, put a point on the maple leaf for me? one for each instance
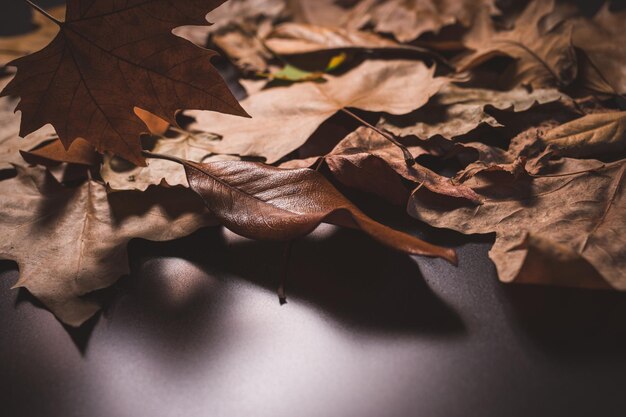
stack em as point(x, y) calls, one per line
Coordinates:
point(107, 59)
point(262, 202)
point(278, 125)
point(455, 111)
point(543, 59)
point(590, 135)
point(69, 242)
point(565, 229)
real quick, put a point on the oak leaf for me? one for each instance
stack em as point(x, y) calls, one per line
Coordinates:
point(69, 242)
point(279, 125)
point(107, 59)
point(565, 229)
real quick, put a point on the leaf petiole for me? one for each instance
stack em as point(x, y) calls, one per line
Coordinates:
point(43, 12)
point(408, 157)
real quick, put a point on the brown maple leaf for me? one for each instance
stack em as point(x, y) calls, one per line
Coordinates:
point(110, 57)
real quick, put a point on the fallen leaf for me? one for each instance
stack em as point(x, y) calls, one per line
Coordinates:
point(186, 145)
point(262, 202)
point(80, 152)
point(551, 226)
point(299, 38)
point(10, 142)
point(543, 59)
point(110, 57)
point(367, 161)
point(408, 19)
point(155, 124)
point(602, 39)
point(455, 111)
point(591, 135)
point(12, 47)
point(69, 242)
point(283, 118)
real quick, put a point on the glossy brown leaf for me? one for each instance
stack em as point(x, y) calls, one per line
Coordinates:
point(107, 59)
point(69, 242)
point(263, 202)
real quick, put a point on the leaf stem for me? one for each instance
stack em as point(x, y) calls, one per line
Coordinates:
point(43, 12)
point(282, 294)
point(408, 158)
point(170, 158)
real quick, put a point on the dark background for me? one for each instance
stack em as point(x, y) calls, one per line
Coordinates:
point(197, 330)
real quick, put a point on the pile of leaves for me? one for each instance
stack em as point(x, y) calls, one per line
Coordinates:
point(476, 116)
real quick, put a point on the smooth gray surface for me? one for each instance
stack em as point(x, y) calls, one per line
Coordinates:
point(197, 330)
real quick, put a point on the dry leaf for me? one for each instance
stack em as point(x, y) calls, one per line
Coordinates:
point(186, 145)
point(110, 57)
point(455, 111)
point(603, 40)
point(408, 19)
point(155, 124)
point(543, 59)
point(591, 135)
point(367, 161)
point(80, 152)
point(10, 142)
point(283, 118)
point(547, 228)
point(70, 242)
point(268, 203)
point(299, 38)
point(12, 47)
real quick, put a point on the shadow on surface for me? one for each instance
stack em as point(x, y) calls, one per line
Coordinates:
point(569, 322)
point(344, 275)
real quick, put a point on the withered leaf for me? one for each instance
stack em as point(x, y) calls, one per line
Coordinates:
point(10, 142)
point(603, 39)
point(267, 203)
point(80, 152)
point(548, 228)
point(193, 146)
point(369, 162)
point(299, 38)
point(69, 242)
point(543, 59)
point(109, 57)
point(279, 125)
point(407, 20)
point(591, 135)
point(455, 111)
